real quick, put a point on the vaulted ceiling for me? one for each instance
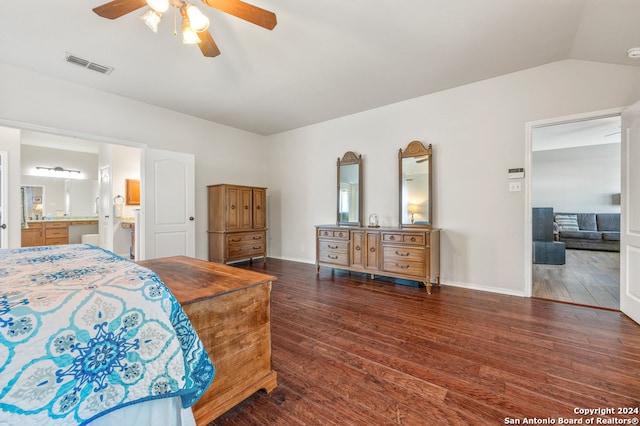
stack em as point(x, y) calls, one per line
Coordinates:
point(323, 60)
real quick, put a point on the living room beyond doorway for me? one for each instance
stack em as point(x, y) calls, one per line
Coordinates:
point(576, 168)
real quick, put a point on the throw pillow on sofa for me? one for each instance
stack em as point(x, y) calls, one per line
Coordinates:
point(568, 222)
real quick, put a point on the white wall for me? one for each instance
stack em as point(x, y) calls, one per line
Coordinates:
point(477, 132)
point(223, 154)
point(581, 179)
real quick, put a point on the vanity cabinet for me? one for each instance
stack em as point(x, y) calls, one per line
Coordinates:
point(412, 254)
point(52, 232)
point(33, 235)
point(237, 223)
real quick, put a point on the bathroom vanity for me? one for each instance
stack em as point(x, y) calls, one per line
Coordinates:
point(58, 231)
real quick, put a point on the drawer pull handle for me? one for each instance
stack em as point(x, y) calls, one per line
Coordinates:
point(257, 248)
point(235, 241)
point(340, 234)
point(233, 206)
point(372, 249)
point(413, 239)
point(402, 254)
point(392, 238)
point(332, 247)
point(332, 257)
point(357, 248)
point(258, 207)
point(246, 207)
point(257, 238)
point(403, 266)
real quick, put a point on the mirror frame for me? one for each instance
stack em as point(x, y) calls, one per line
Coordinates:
point(415, 149)
point(350, 158)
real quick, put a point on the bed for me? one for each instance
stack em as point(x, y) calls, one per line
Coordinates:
point(87, 336)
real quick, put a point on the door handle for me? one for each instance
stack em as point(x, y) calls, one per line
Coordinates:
point(192, 218)
point(3, 226)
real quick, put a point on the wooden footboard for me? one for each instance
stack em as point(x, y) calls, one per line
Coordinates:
point(230, 309)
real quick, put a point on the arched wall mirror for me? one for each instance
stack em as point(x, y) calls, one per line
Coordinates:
point(350, 190)
point(415, 185)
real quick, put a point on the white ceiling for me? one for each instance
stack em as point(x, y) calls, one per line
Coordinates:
point(598, 131)
point(324, 59)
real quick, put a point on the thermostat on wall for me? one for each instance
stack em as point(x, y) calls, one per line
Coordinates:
point(516, 173)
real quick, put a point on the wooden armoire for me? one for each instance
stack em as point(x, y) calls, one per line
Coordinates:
point(237, 222)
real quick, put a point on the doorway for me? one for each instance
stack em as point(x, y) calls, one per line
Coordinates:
point(78, 196)
point(576, 175)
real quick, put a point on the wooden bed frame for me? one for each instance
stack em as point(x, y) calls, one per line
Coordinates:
point(230, 310)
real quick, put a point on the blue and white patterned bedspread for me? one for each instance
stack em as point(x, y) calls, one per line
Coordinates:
point(84, 332)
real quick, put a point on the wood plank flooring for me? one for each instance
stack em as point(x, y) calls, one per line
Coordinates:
point(354, 351)
point(589, 278)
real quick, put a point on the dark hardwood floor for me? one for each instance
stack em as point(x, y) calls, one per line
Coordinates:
point(353, 351)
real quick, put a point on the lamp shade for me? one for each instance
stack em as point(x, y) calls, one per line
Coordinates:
point(152, 19)
point(198, 20)
point(189, 36)
point(159, 5)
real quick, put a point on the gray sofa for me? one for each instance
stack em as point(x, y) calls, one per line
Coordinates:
point(588, 231)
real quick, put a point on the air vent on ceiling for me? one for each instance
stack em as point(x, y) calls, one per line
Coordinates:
point(73, 59)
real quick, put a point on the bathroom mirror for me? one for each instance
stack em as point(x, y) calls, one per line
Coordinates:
point(350, 190)
point(44, 197)
point(33, 201)
point(415, 185)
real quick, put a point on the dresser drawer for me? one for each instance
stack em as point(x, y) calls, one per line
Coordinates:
point(246, 244)
point(245, 238)
point(56, 241)
point(342, 234)
point(56, 232)
point(50, 225)
point(332, 251)
point(247, 250)
point(404, 260)
point(416, 238)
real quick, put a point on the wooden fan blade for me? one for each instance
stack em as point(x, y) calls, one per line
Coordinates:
point(245, 11)
point(208, 47)
point(117, 8)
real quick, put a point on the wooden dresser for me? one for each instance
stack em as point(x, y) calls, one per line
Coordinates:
point(412, 254)
point(230, 308)
point(237, 222)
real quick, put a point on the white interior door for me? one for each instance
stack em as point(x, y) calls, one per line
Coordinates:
point(105, 208)
point(630, 217)
point(3, 199)
point(167, 204)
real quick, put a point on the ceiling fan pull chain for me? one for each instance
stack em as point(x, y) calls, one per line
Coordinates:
point(175, 21)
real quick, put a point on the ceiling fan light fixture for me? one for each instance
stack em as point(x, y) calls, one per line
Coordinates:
point(160, 6)
point(152, 19)
point(198, 20)
point(189, 36)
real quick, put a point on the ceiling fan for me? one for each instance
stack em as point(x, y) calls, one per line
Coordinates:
point(194, 22)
